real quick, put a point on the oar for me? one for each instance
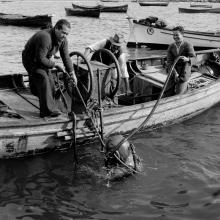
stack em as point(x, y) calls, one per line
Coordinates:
point(153, 109)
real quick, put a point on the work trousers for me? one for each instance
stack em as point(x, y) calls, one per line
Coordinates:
point(42, 85)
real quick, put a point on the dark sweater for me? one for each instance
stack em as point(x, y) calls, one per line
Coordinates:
point(42, 46)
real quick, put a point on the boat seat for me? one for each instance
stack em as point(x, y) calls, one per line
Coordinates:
point(156, 75)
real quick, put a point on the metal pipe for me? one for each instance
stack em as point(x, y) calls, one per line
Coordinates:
point(100, 108)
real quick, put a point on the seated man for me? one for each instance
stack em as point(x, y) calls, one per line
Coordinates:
point(121, 162)
point(115, 45)
point(37, 60)
point(184, 50)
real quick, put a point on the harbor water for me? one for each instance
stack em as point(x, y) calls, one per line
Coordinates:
point(181, 178)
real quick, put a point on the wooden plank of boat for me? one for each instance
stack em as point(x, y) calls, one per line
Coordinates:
point(104, 8)
point(153, 3)
point(116, 8)
point(29, 21)
point(83, 12)
point(193, 5)
point(199, 10)
point(85, 6)
point(30, 135)
point(159, 38)
point(109, 0)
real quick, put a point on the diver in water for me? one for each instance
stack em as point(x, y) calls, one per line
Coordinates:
point(121, 161)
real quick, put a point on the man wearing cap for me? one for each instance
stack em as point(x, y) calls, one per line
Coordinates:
point(116, 46)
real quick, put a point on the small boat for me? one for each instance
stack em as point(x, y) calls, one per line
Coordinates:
point(104, 8)
point(153, 3)
point(144, 33)
point(109, 0)
point(82, 12)
point(24, 133)
point(196, 5)
point(199, 10)
point(116, 8)
point(28, 21)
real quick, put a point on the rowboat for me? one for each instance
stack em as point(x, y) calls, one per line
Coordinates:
point(153, 36)
point(199, 10)
point(109, 0)
point(104, 8)
point(29, 21)
point(193, 5)
point(83, 12)
point(24, 133)
point(153, 3)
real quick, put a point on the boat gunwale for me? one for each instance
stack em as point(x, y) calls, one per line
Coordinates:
point(211, 34)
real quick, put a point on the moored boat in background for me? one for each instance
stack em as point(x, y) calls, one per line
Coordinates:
point(95, 13)
point(200, 5)
point(104, 8)
point(28, 21)
point(150, 3)
point(157, 37)
point(24, 133)
point(199, 10)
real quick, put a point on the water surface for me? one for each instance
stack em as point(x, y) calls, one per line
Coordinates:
point(181, 178)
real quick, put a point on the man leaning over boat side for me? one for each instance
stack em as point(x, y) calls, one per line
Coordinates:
point(37, 58)
point(116, 45)
point(182, 72)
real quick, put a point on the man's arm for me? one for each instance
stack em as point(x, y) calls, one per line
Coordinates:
point(94, 47)
point(64, 53)
point(42, 47)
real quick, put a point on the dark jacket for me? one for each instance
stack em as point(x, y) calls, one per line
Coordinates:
point(42, 46)
point(182, 68)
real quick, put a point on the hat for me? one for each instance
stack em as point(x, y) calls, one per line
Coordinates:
point(117, 40)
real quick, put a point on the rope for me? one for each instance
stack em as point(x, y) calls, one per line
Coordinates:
point(153, 109)
point(84, 104)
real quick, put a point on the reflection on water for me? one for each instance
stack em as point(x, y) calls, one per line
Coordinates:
point(181, 163)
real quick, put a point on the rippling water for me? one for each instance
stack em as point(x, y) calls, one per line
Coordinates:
point(181, 178)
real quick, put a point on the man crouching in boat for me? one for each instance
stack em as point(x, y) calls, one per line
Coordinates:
point(184, 50)
point(121, 161)
point(114, 44)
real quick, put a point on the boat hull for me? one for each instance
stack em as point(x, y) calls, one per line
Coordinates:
point(153, 3)
point(31, 138)
point(24, 133)
point(104, 8)
point(199, 10)
point(28, 21)
point(160, 38)
point(95, 13)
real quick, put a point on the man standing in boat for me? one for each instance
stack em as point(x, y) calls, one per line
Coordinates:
point(116, 45)
point(37, 58)
point(184, 50)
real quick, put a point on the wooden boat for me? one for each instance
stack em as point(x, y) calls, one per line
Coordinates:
point(29, 21)
point(199, 10)
point(153, 3)
point(109, 0)
point(104, 8)
point(200, 5)
point(83, 12)
point(153, 36)
point(23, 132)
